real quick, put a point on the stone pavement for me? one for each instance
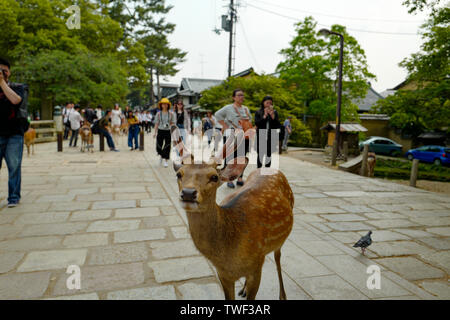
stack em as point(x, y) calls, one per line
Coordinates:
point(116, 215)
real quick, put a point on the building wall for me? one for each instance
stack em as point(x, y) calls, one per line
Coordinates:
point(378, 128)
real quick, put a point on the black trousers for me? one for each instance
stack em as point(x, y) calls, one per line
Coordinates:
point(163, 143)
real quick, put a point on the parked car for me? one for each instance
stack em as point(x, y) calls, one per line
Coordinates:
point(381, 145)
point(433, 154)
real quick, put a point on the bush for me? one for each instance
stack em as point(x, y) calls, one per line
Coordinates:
point(396, 169)
point(301, 135)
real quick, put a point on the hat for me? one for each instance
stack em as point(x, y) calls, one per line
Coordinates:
point(164, 100)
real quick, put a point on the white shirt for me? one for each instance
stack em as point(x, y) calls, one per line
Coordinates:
point(75, 120)
point(115, 117)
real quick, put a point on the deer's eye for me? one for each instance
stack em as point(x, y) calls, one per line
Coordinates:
point(179, 175)
point(214, 178)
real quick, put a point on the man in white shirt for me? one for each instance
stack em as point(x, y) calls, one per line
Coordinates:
point(75, 124)
point(66, 112)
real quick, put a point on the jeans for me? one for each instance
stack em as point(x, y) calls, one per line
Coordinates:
point(74, 136)
point(11, 148)
point(109, 139)
point(285, 141)
point(133, 134)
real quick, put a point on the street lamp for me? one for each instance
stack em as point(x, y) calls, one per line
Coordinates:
point(326, 32)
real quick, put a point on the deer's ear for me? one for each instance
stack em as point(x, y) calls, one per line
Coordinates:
point(234, 169)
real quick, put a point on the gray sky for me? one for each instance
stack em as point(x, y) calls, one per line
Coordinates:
point(267, 26)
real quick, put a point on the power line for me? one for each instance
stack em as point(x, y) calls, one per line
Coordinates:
point(333, 16)
point(323, 25)
point(248, 45)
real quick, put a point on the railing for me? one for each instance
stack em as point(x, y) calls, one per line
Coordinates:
point(45, 130)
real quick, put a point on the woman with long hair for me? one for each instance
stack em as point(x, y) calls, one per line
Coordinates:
point(183, 120)
point(266, 119)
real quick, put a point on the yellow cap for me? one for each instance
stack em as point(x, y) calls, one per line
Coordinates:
point(164, 100)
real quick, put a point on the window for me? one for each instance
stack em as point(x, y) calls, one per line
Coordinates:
point(435, 149)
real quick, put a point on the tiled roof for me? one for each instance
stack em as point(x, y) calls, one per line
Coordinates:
point(368, 101)
point(345, 127)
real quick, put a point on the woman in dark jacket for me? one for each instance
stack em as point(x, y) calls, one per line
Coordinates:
point(266, 119)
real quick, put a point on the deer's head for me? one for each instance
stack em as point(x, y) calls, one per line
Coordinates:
point(198, 182)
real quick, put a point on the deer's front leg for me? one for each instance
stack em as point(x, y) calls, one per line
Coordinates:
point(228, 287)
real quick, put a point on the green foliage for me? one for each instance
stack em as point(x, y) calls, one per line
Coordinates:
point(396, 169)
point(301, 135)
point(310, 68)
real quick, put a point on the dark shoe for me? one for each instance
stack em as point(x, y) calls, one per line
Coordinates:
point(240, 183)
point(13, 204)
point(230, 185)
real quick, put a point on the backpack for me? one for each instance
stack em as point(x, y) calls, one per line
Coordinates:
point(22, 114)
point(95, 128)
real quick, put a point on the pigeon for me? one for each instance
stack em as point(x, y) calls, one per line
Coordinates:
point(364, 242)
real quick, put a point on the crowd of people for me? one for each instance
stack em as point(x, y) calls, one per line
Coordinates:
point(112, 122)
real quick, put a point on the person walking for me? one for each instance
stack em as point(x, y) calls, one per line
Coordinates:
point(209, 122)
point(133, 131)
point(75, 120)
point(66, 113)
point(164, 120)
point(287, 131)
point(103, 129)
point(266, 120)
point(12, 129)
point(231, 117)
point(116, 122)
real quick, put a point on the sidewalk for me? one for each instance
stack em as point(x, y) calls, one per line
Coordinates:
point(117, 216)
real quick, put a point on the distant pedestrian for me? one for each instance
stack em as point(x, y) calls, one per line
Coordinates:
point(133, 130)
point(183, 120)
point(163, 121)
point(266, 120)
point(287, 131)
point(116, 122)
point(209, 122)
point(75, 120)
point(99, 111)
point(66, 113)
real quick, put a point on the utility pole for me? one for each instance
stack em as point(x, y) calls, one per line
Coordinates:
point(232, 35)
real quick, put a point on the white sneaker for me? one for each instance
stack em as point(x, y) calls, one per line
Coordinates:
point(165, 164)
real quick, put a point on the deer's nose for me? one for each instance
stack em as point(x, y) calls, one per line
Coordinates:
point(188, 194)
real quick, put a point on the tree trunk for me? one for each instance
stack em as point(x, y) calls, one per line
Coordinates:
point(152, 93)
point(158, 85)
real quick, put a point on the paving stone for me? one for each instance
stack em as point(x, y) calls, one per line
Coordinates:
point(137, 213)
point(32, 243)
point(180, 232)
point(9, 260)
point(343, 217)
point(383, 215)
point(95, 197)
point(356, 208)
point(348, 226)
point(70, 206)
point(355, 273)
point(330, 288)
point(87, 296)
point(426, 213)
point(101, 278)
point(318, 248)
point(414, 233)
point(86, 240)
point(132, 196)
point(150, 293)
point(83, 191)
point(194, 291)
point(49, 260)
point(7, 219)
point(90, 215)
point(163, 221)
point(180, 269)
point(113, 225)
point(385, 235)
point(309, 218)
point(40, 218)
point(9, 231)
point(345, 237)
point(139, 235)
point(321, 210)
point(56, 198)
point(321, 202)
point(411, 268)
point(391, 207)
point(23, 286)
point(347, 194)
point(432, 222)
point(53, 229)
point(439, 259)
point(28, 208)
point(156, 203)
point(302, 235)
point(398, 248)
point(114, 204)
point(298, 264)
point(439, 288)
point(437, 243)
point(175, 249)
point(321, 226)
point(123, 190)
point(168, 211)
point(440, 231)
point(314, 195)
point(122, 253)
point(392, 223)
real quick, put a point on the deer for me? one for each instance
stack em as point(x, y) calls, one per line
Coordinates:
point(248, 224)
point(29, 139)
point(87, 139)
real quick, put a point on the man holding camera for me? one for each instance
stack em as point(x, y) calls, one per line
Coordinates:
point(12, 128)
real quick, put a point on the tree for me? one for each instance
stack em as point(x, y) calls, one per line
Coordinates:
point(256, 88)
point(310, 68)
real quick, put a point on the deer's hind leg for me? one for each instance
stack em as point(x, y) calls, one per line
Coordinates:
point(277, 256)
point(227, 286)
